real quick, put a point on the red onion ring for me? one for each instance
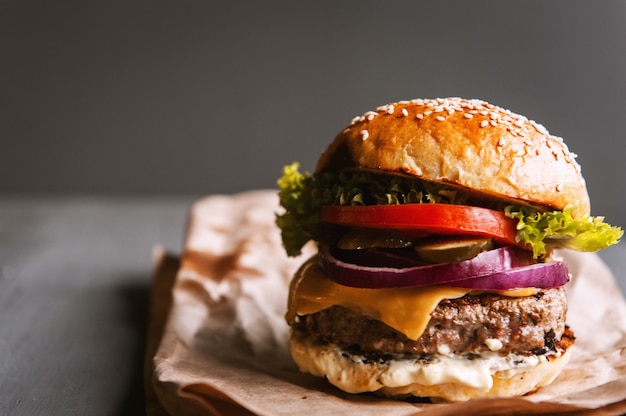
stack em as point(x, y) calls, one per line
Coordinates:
point(499, 269)
point(540, 275)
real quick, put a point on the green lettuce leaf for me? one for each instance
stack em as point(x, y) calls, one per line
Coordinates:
point(297, 202)
point(544, 230)
point(302, 196)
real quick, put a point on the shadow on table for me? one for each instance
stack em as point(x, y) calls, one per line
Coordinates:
point(146, 308)
point(136, 301)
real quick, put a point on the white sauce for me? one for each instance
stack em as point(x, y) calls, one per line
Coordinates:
point(493, 344)
point(323, 360)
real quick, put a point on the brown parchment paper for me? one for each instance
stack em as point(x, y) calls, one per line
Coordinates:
point(218, 340)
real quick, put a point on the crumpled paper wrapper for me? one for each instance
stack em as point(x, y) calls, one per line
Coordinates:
point(218, 341)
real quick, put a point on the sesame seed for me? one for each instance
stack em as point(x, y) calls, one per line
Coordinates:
point(390, 109)
point(405, 112)
point(468, 115)
point(365, 134)
point(559, 188)
point(493, 123)
point(370, 115)
point(540, 128)
point(420, 116)
point(441, 118)
point(501, 142)
point(484, 123)
point(356, 119)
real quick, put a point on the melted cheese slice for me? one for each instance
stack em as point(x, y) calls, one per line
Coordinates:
point(406, 309)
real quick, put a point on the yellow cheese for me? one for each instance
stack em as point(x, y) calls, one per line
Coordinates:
point(406, 309)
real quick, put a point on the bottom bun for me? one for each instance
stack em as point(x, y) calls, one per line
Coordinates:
point(440, 377)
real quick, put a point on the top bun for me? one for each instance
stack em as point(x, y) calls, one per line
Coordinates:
point(467, 143)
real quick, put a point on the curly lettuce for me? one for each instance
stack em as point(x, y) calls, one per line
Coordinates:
point(300, 209)
point(543, 230)
point(302, 196)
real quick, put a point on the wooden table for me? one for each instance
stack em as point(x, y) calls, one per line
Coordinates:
point(75, 281)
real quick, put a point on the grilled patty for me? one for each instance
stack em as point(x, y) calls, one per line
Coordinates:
point(466, 325)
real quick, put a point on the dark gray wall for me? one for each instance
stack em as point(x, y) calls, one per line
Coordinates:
point(207, 97)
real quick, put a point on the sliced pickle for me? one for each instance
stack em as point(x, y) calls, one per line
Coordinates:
point(451, 250)
point(358, 238)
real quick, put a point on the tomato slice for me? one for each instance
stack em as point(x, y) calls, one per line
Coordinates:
point(426, 218)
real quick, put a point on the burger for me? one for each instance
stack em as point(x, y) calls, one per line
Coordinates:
point(436, 275)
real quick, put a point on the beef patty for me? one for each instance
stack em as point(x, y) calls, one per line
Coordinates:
point(470, 324)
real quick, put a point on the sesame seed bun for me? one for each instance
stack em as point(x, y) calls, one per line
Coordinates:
point(466, 143)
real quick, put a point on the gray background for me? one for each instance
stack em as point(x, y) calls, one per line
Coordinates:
point(201, 97)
